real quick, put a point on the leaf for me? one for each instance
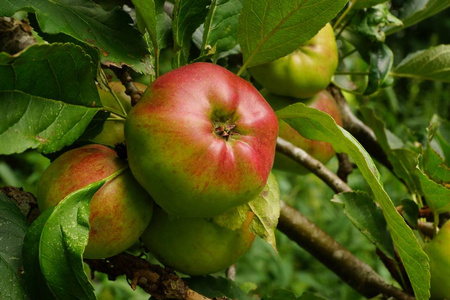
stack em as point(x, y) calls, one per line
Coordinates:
point(438, 196)
point(367, 3)
point(360, 208)
point(415, 11)
point(63, 239)
point(216, 287)
point(314, 124)
point(381, 60)
point(410, 212)
point(266, 207)
point(13, 225)
point(430, 64)
point(53, 101)
point(59, 71)
point(283, 294)
point(187, 17)
point(433, 163)
point(150, 15)
point(403, 160)
point(109, 31)
point(31, 122)
point(221, 27)
point(270, 29)
point(33, 276)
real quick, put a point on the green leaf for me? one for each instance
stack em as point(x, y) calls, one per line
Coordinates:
point(433, 163)
point(34, 278)
point(150, 15)
point(221, 27)
point(415, 11)
point(270, 29)
point(13, 225)
point(403, 160)
point(282, 294)
point(381, 60)
point(438, 196)
point(361, 209)
point(216, 287)
point(109, 31)
point(188, 15)
point(367, 3)
point(58, 71)
point(410, 212)
point(62, 242)
point(31, 122)
point(266, 207)
point(314, 124)
point(430, 64)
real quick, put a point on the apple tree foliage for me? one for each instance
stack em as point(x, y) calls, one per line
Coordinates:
point(49, 103)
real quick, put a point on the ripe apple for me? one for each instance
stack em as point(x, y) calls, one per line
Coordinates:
point(438, 250)
point(119, 211)
point(321, 151)
point(201, 140)
point(112, 132)
point(195, 246)
point(304, 72)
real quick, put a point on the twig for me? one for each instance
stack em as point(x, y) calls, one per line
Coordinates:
point(159, 282)
point(334, 256)
point(345, 166)
point(312, 164)
point(26, 202)
point(358, 129)
point(127, 81)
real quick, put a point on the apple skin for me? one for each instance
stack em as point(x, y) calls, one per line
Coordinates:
point(177, 144)
point(195, 246)
point(119, 211)
point(321, 151)
point(438, 250)
point(304, 72)
point(112, 132)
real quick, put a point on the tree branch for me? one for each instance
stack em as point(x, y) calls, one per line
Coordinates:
point(127, 81)
point(155, 280)
point(313, 165)
point(358, 129)
point(334, 256)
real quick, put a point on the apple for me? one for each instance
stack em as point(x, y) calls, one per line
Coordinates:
point(438, 250)
point(195, 246)
point(119, 211)
point(304, 72)
point(201, 140)
point(112, 132)
point(321, 151)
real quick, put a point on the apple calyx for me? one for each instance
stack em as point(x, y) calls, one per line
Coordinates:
point(225, 129)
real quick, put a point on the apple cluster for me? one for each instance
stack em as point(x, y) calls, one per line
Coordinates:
point(199, 142)
point(302, 76)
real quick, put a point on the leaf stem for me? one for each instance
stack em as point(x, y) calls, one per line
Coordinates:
point(342, 16)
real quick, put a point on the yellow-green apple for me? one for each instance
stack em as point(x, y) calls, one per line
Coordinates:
point(438, 250)
point(304, 72)
point(321, 151)
point(119, 211)
point(112, 132)
point(201, 140)
point(195, 246)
